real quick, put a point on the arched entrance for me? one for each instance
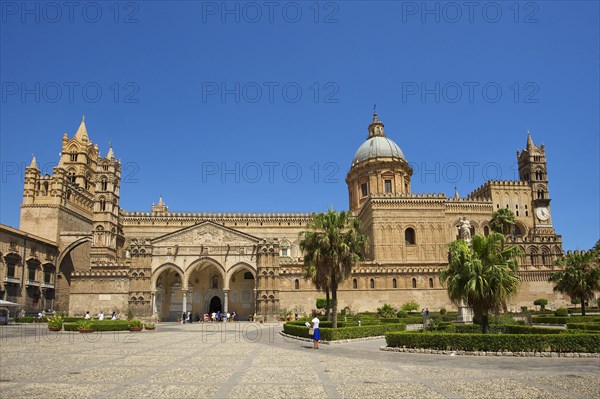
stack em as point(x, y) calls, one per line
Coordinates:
point(205, 288)
point(169, 295)
point(76, 257)
point(242, 296)
point(215, 305)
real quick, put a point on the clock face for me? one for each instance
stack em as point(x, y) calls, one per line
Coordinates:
point(543, 213)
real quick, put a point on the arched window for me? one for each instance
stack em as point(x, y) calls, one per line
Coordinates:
point(354, 283)
point(394, 283)
point(102, 204)
point(540, 194)
point(430, 282)
point(486, 230)
point(296, 284)
point(214, 283)
point(372, 283)
point(104, 184)
point(74, 157)
point(409, 236)
point(414, 283)
point(285, 248)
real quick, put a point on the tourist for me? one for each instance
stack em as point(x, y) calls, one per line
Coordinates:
point(183, 317)
point(213, 316)
point(40, 316)
point(219, 315)
point(227, 316)
point(316, 332)
point(114, 315)
point(427, 313)
point(101, 315)
point(233, 316)
point(87, 315)
point(189, 316)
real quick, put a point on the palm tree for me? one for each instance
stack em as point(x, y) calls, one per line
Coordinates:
point(332, 246)
point(319, 278)
point(483, 275)
point(580, 278)
point(503, 222)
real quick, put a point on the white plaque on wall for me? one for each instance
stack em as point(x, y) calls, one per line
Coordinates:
point(104, 297)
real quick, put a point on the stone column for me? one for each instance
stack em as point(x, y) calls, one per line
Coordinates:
point(184, 300)
point(153, 303)
point(225, 301)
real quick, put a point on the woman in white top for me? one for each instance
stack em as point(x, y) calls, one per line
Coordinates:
point(316, 332)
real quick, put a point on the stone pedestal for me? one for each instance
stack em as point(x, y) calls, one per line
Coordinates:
point(465, 314)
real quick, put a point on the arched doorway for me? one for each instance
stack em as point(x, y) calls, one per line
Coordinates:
point(215, 305)
point(242, 297)
point(205, 286)
point(169, 294)
point(76, 257)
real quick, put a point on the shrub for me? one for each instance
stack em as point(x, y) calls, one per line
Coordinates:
point(322, 303)
point(583, 326)
point(598, 302)
point(105, 325)
point(410, 306)
point(443, 311)
point(135, 323)
point(56, 321)
point(565, 319)
point(561, 312)
point(333, 334)
point(541, 302)
point(523, 309)
point(495, 342)
point(402, 313)
point(387, 311)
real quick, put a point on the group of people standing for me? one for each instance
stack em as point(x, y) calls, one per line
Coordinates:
point(114, 316)
point(187, 317)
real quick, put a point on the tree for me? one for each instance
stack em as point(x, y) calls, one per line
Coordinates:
point(318, 277)
point(580, 277)
point(541, 302)
point(483, 275)
point(410, 306)
point(332, 246)
point(503, 222)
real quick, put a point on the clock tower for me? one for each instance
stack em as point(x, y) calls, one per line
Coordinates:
point(533, 170)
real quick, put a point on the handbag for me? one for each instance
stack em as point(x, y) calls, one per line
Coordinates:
point(311, 331)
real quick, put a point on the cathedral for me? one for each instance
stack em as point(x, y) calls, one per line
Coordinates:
point(77, 250)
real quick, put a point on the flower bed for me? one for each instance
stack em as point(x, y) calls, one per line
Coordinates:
point(496, 342)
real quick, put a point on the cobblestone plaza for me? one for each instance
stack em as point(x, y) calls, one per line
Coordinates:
point(251, 360)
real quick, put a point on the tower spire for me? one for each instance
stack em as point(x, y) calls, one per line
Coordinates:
point(529, 141)
point(110, 154)
point(82, 134)
point(33, 162)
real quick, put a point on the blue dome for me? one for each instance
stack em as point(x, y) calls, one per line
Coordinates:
point(376, 147)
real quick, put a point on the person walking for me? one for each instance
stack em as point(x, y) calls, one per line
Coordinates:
point(316, 336)
point(87, 315)
point(101, 315)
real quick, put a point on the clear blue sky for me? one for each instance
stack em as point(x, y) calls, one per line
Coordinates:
point(188, 90)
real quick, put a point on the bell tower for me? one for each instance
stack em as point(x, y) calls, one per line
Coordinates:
point(108, 238)
point(533, 170)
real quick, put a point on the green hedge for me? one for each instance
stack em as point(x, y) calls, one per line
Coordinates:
point(564, 320)
point(334, 334)
point(583, 326)
point(104, 325)
point(496, 342)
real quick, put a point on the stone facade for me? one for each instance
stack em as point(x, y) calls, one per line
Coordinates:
point(27, 269)
point(162, 263)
